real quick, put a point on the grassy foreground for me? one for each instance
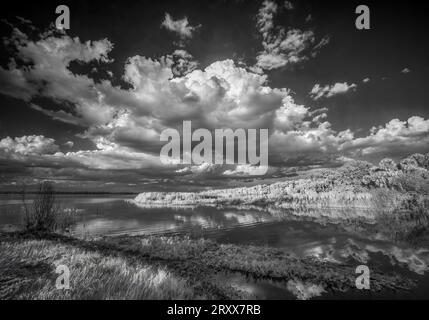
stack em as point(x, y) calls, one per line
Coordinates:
point(162, 268)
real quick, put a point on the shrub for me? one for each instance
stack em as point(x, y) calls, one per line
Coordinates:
point(414, 181)
point(42, 216)
point(408, 164)
point(381, 179)
point(419, 158)
point(353, 173)
point(387, 164)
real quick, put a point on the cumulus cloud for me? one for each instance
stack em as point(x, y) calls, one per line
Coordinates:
point(208, 170)
point(221, 95)
point(203, 170)
point(69, 144)
point(28, 145)
point(180, 26)
point(246, 170)
point(283, 47)
point(113, 157)
point(406, 70)
point(366, 80)
point(396, 137)
point(328, 91)
point(42, 150)
point(125, 124)
point(46, 73)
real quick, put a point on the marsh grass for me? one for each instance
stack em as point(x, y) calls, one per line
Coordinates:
point(42, 214)
point(205, 258)
point(45, 213)
point(27, 271)
point(159, 268)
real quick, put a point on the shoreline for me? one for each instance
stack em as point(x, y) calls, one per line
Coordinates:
point(194, 263)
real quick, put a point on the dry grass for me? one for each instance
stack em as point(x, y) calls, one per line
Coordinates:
point(161, 268)
point(204, 257)
point(27, 271)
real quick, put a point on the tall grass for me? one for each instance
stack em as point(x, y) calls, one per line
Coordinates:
point(45, 213)
point(160, 268)
point(27, 271)
point(42, 214)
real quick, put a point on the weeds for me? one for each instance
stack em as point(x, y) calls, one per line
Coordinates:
point(27, 271)
point(45, 213)
point(41, 217)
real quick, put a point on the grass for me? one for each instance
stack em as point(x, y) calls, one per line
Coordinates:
point(27, 270)
point(161, 268)
point(45, 213)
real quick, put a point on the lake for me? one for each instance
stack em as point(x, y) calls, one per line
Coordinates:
point(115, 215)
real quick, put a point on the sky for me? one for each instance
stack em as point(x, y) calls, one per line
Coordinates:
point(85, 107)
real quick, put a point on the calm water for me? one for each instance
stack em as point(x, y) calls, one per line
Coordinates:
point(113, 215)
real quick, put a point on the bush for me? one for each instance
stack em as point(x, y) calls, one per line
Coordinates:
point(387, 164)
point(354, 171)
point(42, 216)
point(414, 181)
point(381, 179)
point(408, 164)
point(419, 158)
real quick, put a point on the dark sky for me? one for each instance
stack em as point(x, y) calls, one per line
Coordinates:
point(393, 57)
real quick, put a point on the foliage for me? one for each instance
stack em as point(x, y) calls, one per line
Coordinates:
point(414, 181)
point(356, 190)
point(387, 164)
point(408, 164)
point(355, 171)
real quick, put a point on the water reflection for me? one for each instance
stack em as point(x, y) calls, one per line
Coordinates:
point(298, 235)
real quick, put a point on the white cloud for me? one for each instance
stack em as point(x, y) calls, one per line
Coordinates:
point(69, 144)
point(125, 124)
point(113, 157)
point(49, 76)
point(29, 145)
point(265, 17)
point(42, 150)
point(328, 91)
point(283, 47)
point(180, 26)
point(246, 170)
point(405, 70)
point(204, 169)
point(366, 80)
point(396, 137)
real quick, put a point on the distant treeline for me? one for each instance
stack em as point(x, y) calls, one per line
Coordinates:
point(67, 192)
